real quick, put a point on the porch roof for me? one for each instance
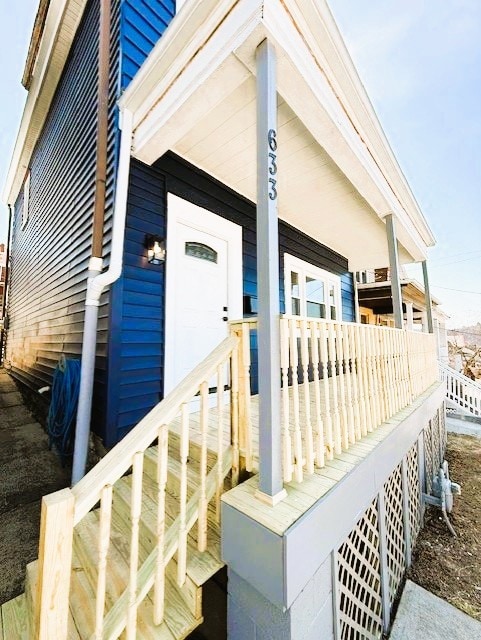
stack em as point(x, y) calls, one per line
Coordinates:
point(338, 177)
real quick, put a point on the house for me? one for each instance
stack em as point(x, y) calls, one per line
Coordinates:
point(219, 207)
point(375, 305)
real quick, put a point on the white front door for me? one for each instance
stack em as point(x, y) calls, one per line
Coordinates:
point(203, 288)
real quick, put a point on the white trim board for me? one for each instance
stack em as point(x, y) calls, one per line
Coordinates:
point(61, 23)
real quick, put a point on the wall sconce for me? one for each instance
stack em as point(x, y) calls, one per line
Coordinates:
point(155, 249)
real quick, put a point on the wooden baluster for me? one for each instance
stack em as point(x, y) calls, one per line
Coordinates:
point(286, 435)
point(184, 457)
point(308, 438)
point(381, 347)
point(135, 511)
point(294, 360)
point(319, 440)
point(389, 370)
point(374, 375)
point(246, 361)
point(395, 371)
point(355, 375)
point(162, 469)
point(234, 415)
point(410, 366)
point(403, 351)
point(341, 384)
point(402, 366)
point(220, 439)
point(347, 353)
point(103, 548)
point(334, 387)
point(203, 505)
point(366, 398)
point(358, 374)
point(323, 341)
point(339, 343)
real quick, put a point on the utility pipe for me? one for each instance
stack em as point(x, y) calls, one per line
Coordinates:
point(102, 130)
point(96, 263)
point(95, 287)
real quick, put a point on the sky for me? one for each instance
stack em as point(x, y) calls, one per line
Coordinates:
point(420, 61)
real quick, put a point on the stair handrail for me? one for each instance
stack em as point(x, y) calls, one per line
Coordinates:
point(118, 460)
point(461, 390)
point(459, 376)
point(62, 510)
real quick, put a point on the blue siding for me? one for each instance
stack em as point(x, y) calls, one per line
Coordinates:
point(136, 379)
point(347, 295)
point(142, 24)
point(137, 319)
point(48, 282)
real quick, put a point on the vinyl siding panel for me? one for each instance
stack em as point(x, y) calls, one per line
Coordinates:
point(137, 327)
point(142, 24)
point(140, 294)
point(50, 254)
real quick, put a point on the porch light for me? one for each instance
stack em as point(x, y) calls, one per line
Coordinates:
point(155, 249)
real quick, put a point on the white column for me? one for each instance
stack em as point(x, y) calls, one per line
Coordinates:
point(394, 269)
point(427, 294)
point(271, 488)
point(409, 316)
point(424, 321)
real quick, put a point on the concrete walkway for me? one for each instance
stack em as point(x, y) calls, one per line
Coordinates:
point(28, 470)
point(463, 425)
point(423, 616)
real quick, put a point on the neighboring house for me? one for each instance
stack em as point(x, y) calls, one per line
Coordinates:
point(376, 307)
point(250, 180)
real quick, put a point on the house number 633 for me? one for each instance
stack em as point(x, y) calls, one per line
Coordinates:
point(272, 141)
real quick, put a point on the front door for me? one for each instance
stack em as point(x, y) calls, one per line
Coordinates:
point(204, 285)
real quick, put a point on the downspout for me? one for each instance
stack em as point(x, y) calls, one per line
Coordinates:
point(95, 264)
point(95, 288)
point(5, 286)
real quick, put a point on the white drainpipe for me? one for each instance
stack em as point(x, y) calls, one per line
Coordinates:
point(96, 284)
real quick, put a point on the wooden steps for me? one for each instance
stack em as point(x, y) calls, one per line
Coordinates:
point(14, 618)
point(183, 605)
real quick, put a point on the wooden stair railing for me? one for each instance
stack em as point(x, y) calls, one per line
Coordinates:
point(464, 392)
point(66, 510)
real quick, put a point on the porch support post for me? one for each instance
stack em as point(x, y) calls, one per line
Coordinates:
point(409, 316)
point(268, 334)
point(397, 306)
point(427, 294)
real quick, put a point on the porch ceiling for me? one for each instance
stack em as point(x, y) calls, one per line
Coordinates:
point(196, 95)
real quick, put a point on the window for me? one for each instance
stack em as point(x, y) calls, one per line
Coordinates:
point(311, 291)
point(201, 251)
point(26, 199)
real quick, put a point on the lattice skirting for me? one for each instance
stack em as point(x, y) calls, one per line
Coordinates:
point(372, 561)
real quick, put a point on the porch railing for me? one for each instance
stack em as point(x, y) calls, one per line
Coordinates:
point(64, 511)
point(339, 381)
point(465, 393)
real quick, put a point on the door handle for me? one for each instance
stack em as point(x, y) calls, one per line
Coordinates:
point(225, 318)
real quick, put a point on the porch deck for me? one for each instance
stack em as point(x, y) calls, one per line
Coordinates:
point(301, 496)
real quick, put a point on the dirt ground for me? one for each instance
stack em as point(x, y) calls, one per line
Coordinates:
point(451, 567)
